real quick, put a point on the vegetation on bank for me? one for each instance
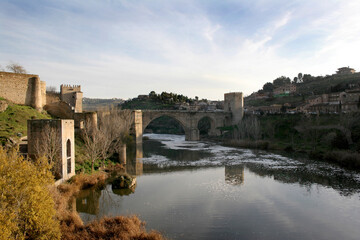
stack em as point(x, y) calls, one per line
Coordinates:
point(73, 228)
point(26, 206)
point(31, 207)
point(13, 121)
point(334, 138)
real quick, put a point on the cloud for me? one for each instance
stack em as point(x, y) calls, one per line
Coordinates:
point(194, 48)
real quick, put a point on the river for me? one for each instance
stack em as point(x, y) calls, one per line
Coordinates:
point(201, 190)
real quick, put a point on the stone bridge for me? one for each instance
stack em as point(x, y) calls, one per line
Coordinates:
point(231, 115)
point(189, 120)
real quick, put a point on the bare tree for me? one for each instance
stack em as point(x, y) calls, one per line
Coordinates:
point(51, 89)
point(249, 128)
point(115, 125)
point(104, 140)
point(16, 68)
point(92, 138)
point(49, 145)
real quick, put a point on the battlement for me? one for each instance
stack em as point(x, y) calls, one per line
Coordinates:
point(67, 88)
point(72, 95)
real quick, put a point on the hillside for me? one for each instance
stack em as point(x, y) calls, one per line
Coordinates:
point(93, 104)
point(308, 87)
point(334, 83)
point(13, 121)
point(147, 104)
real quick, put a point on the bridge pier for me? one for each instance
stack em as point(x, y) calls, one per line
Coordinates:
point(192, 134)
point(138, 126)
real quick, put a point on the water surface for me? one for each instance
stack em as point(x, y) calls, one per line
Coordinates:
point(200, 190)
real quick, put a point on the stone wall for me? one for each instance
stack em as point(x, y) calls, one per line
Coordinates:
point(52, 97)
point(64, 132)
point(25, 89)
point(72, 94)
point(60, 110)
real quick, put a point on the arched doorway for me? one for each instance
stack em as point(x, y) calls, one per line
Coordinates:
point(68, 155)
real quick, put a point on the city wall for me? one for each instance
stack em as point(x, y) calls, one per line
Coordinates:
point(24, 89)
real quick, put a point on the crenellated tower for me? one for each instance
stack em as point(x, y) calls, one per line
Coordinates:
point(72, 95)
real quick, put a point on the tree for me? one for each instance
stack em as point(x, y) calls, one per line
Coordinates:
point(1, 68)
point(152, 95)
point(114, 127)
point(92, 138)
point(104, 140)
point(307, 78)
point(51, 89)
point(26, 206)
point(300, 77)
point(296, 80)
point(280, 81)
point(268, 87)
point(249, 128)
point(48, 145)
point(16, 68)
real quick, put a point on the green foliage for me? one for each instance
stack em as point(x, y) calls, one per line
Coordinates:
point(326, 84)
point(156, 101)
point(26, 206)
point(294, 100)
point(93, 104)
point(14, 119)
point(307, 85)
point(146, 104)
point(280, 81)
point(268, 87)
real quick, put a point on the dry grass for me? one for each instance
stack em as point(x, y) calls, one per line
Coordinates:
point(119, 228)
point(73, 228)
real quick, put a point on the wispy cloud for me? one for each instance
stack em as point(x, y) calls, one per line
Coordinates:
point(204, 48)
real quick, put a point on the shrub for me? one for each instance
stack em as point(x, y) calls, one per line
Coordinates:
point(347, 159)
point(124, 228)
point(26, 207)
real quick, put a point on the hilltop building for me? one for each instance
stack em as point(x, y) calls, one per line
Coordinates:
point(286, 89)
point(345, 70)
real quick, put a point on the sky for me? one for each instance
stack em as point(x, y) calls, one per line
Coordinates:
point(204, 48)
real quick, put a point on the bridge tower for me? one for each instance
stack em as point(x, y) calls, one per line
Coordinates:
point(234, 103)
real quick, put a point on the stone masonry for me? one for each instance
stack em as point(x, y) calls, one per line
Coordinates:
point(24, 89)
point(64, 134)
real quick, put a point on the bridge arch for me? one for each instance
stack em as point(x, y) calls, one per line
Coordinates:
point(149, 121)
point(206, 125)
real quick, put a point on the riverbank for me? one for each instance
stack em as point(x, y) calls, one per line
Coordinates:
point(326, 137)
point(345, 158)
point(71, 225)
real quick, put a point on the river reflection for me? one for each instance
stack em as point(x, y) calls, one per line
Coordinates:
point(200, 190)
